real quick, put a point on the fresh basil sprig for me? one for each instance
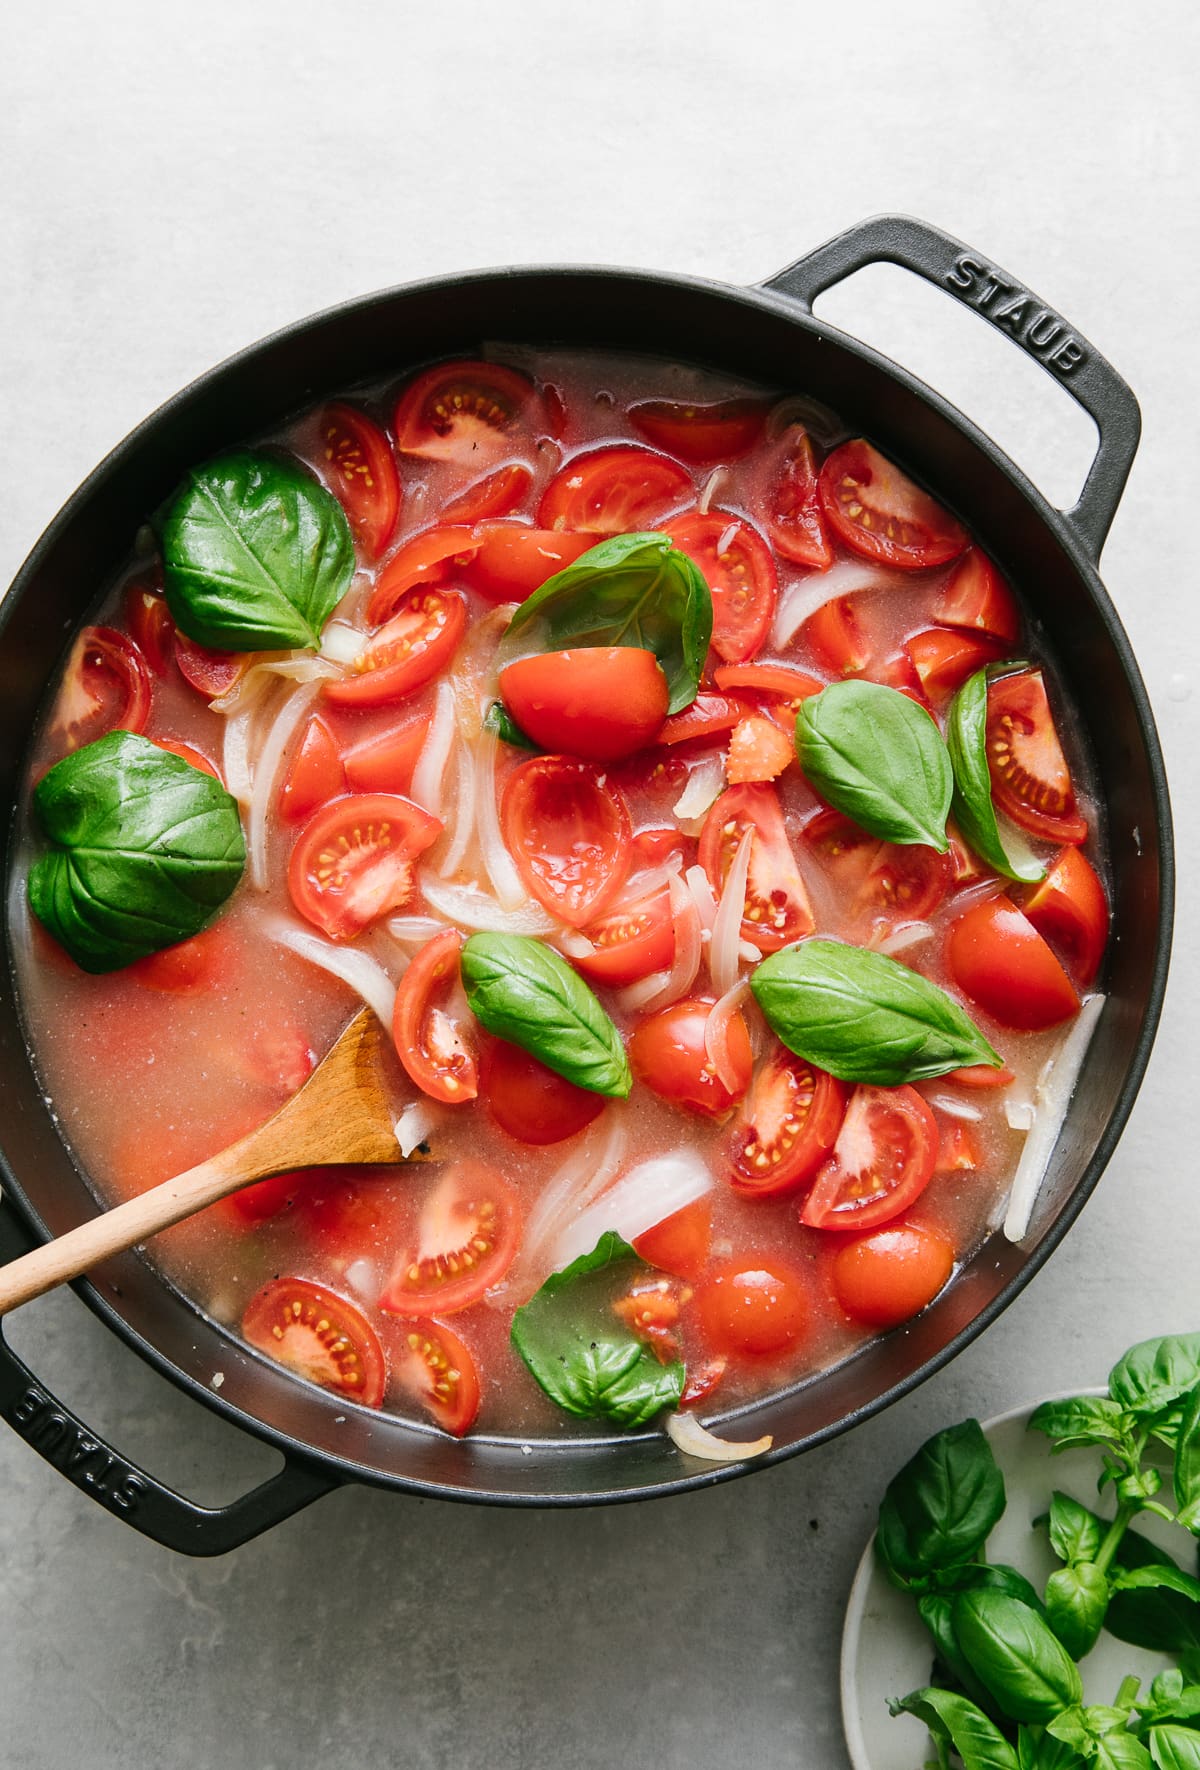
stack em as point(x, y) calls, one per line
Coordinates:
point(524, 992)
point(256, 554)
point(581, 1352)
point(966, 740)
point(940, 1509)
point(864, 1017)
point(636, 590)
point(874, 754)
point(143, 851)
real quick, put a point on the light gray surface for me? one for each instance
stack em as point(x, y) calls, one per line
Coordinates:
point(178, 182)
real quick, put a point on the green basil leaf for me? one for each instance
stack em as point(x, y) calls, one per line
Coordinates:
point(875, 755)
point(1167, 1689)
point(1120, 1751)
point(1075, 1534)
point(1071, 1729)
point(961, 1724)
point(1175, 1748)
point(580, 1351)
point(997, 1576)
point(634, 590)
point(1156, 1373)
point(1159, 1616)
point(256, 554)
point(1153, 1578)
point(864, 1017)
point(1076, 1600)
point(1079, 1420)
point(1042, 1751)
point(966, 740)
point(1187, 1465)
point(143, 851)
point(524, 992)
point(940, 1508)
point(936, 1612)
point(500, 720)
point(1017, 1655)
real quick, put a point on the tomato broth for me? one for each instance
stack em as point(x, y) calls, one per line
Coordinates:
point(466, 489)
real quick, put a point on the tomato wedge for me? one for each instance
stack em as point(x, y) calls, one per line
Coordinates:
point(883, 1159)
point(701, 434)
point(438, 1370)
point(740, 572)
point(787, 1126)
point(976, 596)
point(758, 751)
point(362, 472)
point(632, 942)
point(210, 673)
point(943, 659)
point(883, 1279)
point(668, 1053)
point(426, 560)
point(496, 494)
point(680, 1243)
point(1031, 782)
point(600, 702)
point(320, 1336)
point(878, 512)
point(997, 958)
point(415, 645)
point(436, 1053)
point(568, 831)
point(384, 762)
point(150, 625)
point(353, 863)
point(614, 491)
point(190, 754)
point(529, 1101)
point(794, 521)
point(1069, 910)
point(106, 687)
point(707, 715)
point(782, 689)
point(464, 410)
point(512, 560)
point(902, 881)
point(777, 906)
point(315, 774)
point(463, 1244)
point(837, 635)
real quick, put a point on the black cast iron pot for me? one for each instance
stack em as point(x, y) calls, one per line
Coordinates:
point(766, 334)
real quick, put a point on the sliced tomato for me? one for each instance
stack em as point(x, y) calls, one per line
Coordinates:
point(320, 1336)
point(878, 512)
point(1031, 782)
point(438, 1370)
point(496, 494)
point(461, 411)
point(423, 562)
point(668, 1053)
point(944, 659)
point(150, 625)
point(657, 843)
point(701, 434)
point(632, 942)
point(210, 673)
point(780, 688)
point(614, 491)
point(958, 1149)
point(777, 906)
point(190, 754)
point(105, 687)
point(888, 1277)
point(567, 829)
point(758, 751)
point(976, 596)
point(1069, 910)
point(203, 962)
point(265, 1199)
point(512, 560)
point(702, 1379)
point(414, 647)
point(435, 1051)
point(794, 521)
point(981, 1075)
point(904, 882)
point(353, 863)
point(384, 762)
point(680, 1243)
point(708, 715)
point(838, 637)
point(1000, 961)
point(463, 1244)
point(532, 1103)
point(348, 1211)
point(361, 470)
point(650, 1310)
point(315, 774)
point(883, 1159)
point(753, 1305)
point(740, 572)
point(787, 1126)
point(600, 702)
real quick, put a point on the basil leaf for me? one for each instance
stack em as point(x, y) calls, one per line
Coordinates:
point(256, 554)
point(1079, 1420)
point(582, 1354)
point(1187, 1465)
point(1076, 1600)
point(864, 1017)
point(877, 756)
point(1156, 1373)
point(1017, 1655)
point(936, 1610)
point(1074, 1531)
point(1046, 1752)
point(1156, 1577)
point(144, 850)
point(1158, 1617)
point(961, 1724)
point(997, 1576)
point(966, 740)
point(634, 590)
point(524, 992)
point(1175, 1748)
point(940, 1508)
point(1119, 1750)
point(1071, 1729)
point(500, 720)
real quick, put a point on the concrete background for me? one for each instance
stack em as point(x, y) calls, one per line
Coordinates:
point(179, 181)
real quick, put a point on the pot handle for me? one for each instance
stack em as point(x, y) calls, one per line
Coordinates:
point(1012, 309)
point(127, 1490)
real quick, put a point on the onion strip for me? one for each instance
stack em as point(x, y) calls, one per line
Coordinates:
point(464, 808)
point(472, 908)
point(430, 770)
point(723, 953)
point(415, 1122)
point(801, 600)
point(716, 1034)
point(266, 770)
point(1052, 1096)
point(639, 1200)
point(705, 784)
point(365, 976)
point(498, 862)
point(572, 1187)
point(694, 1440)
point(662, 988)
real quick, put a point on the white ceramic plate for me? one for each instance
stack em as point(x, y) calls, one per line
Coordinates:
point(886, 1651)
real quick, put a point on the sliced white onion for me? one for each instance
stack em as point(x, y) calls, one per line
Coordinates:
point(237, 745)
point(1020, 1112)
point(716, 1034)
point(723, 952)
point(575, 945)
point(586, 1171)
point(980, 892)
point(635, 998)
point(426, 788)
point(1053, 1096)
point(705, 784)
point(416, 1123)
point(710, 488)
point(362, 1279)
point(498, 862)
point(664, 987)
point(904, 935)
point(414, 930)
point(464, 813)
point(954, 1109)
point(748, 951)
point(801, 600)
point(1014, 843)
point(648, 1194)
point(291, 666)
point(703, 896)
point(472, 908)
point(728, 537)
point(694, 1440)
point(265, 771)
point(341, 643)
point(365, 976)
point(639, 885)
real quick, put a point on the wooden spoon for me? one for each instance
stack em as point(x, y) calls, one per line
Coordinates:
point(341, 1114)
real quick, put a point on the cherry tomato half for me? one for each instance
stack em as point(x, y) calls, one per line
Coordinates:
point(781, 689)
point(190, 754)
point(600, 702)
point(203, 962)
point(787, 1126)
point(740, 572)
point(943, 659)
point(904, 882)
point(632, 942)
point(318, 1335)
point(353, 863)
point(529, 1101)
point(210, 673)
point(890, 1276)
point(496, 494)
point(315, 774)
point(1069, 910)
point(794, 521)
point(668, 1053)
point(362, 472)
point(614, 491)
point(438, 1370)
point(463, 410)
point(707, 715)
point(997, 958)
point(700, 434)
point(418, 642)
point(878, 512)
point(976, 596)
point(568, 831)
point(1031, 782)
point(384, 762)
point(883, 1159)
point(434, 1051)
point(753, 1306)
point(150, 625)
point(463, 1244)
point(777, 907)
point(680, 1243)
point(512, 560)
point(106, 687)
point(424, 561)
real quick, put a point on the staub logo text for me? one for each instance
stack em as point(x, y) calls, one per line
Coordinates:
point(88, 1464)
point(1043, 331)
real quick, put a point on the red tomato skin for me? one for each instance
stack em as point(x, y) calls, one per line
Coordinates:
point(211, 673)
point(981, 1075)
point(1031, 781)
point(529, 1101)
point(887, 1277)
point(632, 943)
point(190, 754)
point(836, 635)
point(447, 1076)
point(740, 572)
point(776, 681)
point(439, 1370)
point(794, 521)
point(1069, 909)
point(471, 1204)
point(680, 1244)
point(568, 834)
point(511, 560)
point(1000, 961)
point(384, 763)
point(708, 715)
point(496, 494)
point(944, 659)
point(322, 888)
point(265, 1199)
point(753, 1306)
point(362, 470)
point(150, 625)
point(901, 882)
point(105, 687)
point(667, 1053)
point(325, 1321)
point(700, 434)
point(897, 1134)
point(787, 1127)
point(422, 562)
point(410, 650)
point(599, 702)
point(878, 512)
point(616, 490)
point(315, 774)
point(769, 922)
point(977, 597)
point(186, 967)
point(458, 409)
